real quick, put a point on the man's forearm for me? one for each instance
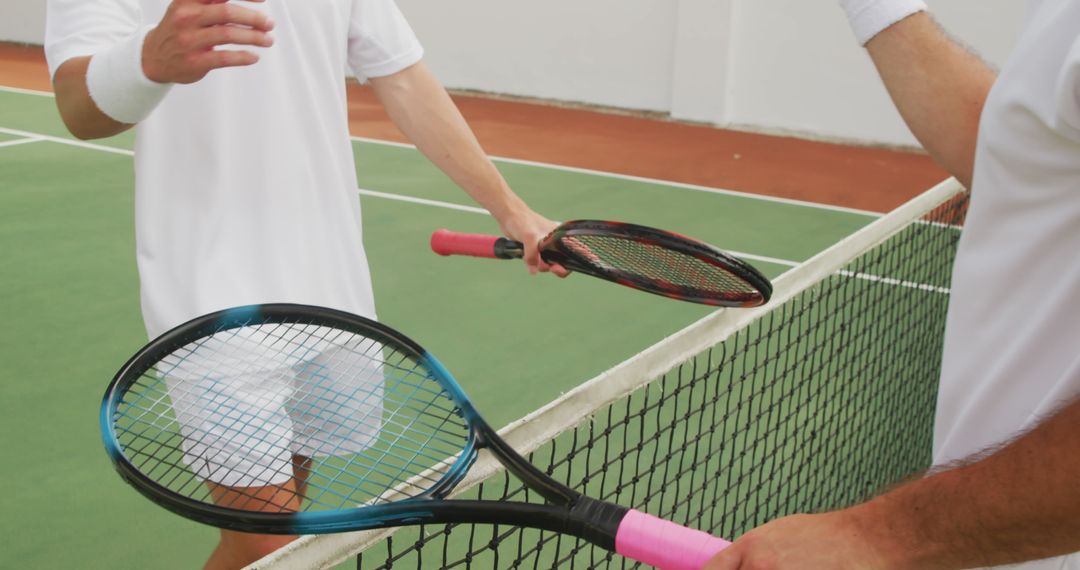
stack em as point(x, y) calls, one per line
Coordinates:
point(938, 86)
point(421, 108)
point(1019, 503)
point(78, 110)
point(122, 83)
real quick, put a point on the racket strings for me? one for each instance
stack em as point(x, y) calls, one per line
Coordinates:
point(669, 268)
point(233, 417)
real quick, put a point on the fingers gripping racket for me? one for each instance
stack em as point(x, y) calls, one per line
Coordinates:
point(648, 259)
point(295, 420)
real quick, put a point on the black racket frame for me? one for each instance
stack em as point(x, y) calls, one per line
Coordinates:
point(566, 511)
point(553, 249)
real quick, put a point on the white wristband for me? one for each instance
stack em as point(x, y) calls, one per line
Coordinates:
point(118, 85)
point(869, 17)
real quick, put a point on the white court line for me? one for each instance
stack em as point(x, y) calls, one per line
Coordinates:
point(600, 173)
point(36, 137)
point(853, 274)
point(897, 282)
point(362, 191)
point(18, 142)
point(423, 201)
point(763, 258)
point(474, 210)
point(695, 187)
point(942, 225)
point(69, 142)
point(641, 179)
point(33, 137)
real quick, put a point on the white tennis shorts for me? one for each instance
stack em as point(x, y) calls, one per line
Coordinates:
point(242, 422)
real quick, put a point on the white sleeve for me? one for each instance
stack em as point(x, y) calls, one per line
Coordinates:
point(1067, 95)
point(869, 18)
point(75, 28)
point(381, 42)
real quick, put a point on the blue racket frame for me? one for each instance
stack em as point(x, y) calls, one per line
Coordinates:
point(567, 511)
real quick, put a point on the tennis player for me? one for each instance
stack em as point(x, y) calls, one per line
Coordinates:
point(246, 187)
point(1006, 489)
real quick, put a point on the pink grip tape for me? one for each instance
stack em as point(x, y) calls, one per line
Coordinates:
point(446, 242)
point(664, 544)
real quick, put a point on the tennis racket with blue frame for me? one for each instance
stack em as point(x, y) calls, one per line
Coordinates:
point(292, 419)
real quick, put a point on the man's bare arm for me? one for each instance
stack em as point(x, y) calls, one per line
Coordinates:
point(77, 109)
point(938, 86)
point(181, 49)
point(1019, 503)
point(419, 105)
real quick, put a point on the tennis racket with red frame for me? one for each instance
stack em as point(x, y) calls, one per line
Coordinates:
point(656, 261)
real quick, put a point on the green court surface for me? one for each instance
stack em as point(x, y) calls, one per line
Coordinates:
point(70, 301)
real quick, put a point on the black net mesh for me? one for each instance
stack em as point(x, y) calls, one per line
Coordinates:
point(824, 401)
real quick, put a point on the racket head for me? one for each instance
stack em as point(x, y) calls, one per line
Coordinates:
point(205, 408)
point(656, 261)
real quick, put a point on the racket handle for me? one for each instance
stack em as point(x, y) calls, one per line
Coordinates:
point(446, 242)
point(664, 544)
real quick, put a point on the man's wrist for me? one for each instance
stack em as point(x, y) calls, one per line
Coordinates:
point(868, 18)
point(504, 205)
point(119, 86)
point(883, 531)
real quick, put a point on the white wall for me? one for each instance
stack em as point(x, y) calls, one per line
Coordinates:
point(22, 21)
point(787, 65)
point(796, 66)
point(599, 51)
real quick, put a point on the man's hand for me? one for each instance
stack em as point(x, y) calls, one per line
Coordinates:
point(182, 48)
point(529, 228)
point(831, 541)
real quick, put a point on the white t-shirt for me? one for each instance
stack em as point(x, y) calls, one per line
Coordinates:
point(245, 181)
point(1012, 347)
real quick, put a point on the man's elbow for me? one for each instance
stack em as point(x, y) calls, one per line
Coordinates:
point(77, 109)
point(88, 126)
point(78, 130)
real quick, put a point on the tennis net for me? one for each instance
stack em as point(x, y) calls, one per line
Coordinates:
point(816, 401)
